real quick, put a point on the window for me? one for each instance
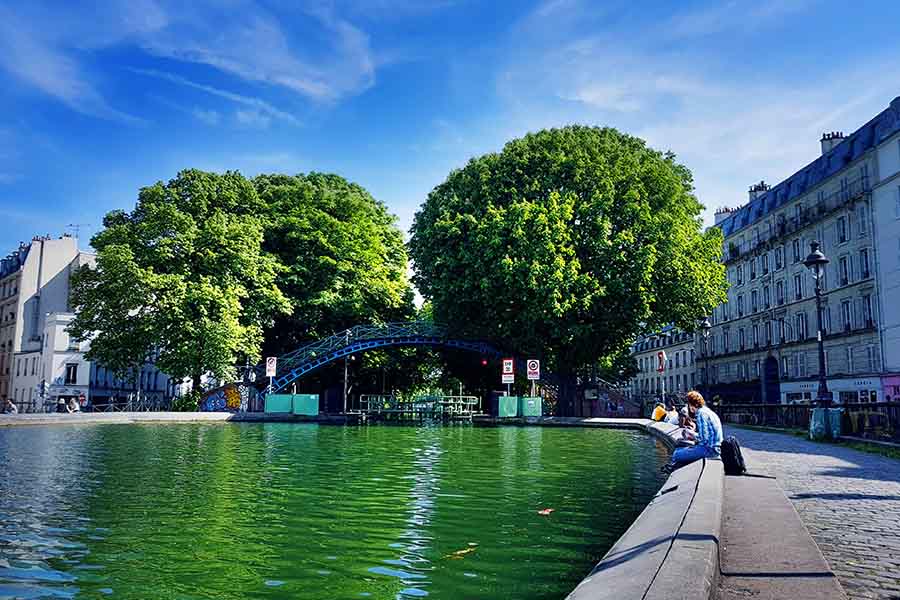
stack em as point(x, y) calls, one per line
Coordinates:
point(867, 311)
point(71, 374)
point(842, 229)
point(844, 270)
point(34, 365)
point(870, 358)
point(18, 366)
point(741, 340)
point(779, 292)
point(800, 326)
point(779, 257)
point(725, 344)
point(739, 273)
point(677, 361)
point(801, 364)
point(784, 366)
point(850, 359)
point(861, 224)
point(795, 245)
point(846, 313)
point(765, 257)
point(754, 304)
point(767, 297)
point(864, 263)
point(740, 306)
point(752, 269)
point(755, 368)
point(798, 287)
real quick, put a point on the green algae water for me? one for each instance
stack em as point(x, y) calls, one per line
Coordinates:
point(308, 511)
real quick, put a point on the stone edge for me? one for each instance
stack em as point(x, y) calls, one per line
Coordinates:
point(673, 544)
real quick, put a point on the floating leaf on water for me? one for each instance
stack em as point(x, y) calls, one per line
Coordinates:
point(546, 511)
point(461, 553)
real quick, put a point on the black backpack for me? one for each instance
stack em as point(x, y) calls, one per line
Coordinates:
point(732, 459)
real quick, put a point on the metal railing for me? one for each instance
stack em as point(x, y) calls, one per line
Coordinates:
point(871, 420)
point(852, 190)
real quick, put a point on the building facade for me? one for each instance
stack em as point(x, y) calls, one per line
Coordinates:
point(763, 343)
point(41, 365)
point(666, 364)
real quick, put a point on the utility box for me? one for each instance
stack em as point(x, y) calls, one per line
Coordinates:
point(305, 404)
point(278, 403)
point(507, 406)
point(530, 407)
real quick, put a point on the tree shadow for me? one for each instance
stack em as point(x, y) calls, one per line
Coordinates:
point(844, 496)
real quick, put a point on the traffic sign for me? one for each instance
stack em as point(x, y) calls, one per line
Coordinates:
point(509, 366)
point(534, 369)
point(508, 378)
point(271, 366)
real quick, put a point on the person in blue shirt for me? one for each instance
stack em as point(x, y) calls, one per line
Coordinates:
point(708, 436)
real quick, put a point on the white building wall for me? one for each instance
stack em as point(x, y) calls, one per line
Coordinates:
point(886, 208)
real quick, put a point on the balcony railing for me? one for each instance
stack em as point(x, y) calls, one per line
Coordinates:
point(853, 190)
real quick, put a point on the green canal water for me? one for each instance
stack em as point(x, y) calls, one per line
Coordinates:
point(307, 511)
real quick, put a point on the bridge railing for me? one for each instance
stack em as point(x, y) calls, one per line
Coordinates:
point(871, 420)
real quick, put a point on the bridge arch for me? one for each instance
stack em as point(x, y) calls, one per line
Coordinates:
point(308, 358)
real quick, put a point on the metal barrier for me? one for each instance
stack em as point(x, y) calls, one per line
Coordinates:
point(871, 420)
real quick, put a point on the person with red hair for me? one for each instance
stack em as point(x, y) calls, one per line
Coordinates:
point(708, 436)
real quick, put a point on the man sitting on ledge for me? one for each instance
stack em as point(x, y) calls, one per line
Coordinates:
point(708, 437)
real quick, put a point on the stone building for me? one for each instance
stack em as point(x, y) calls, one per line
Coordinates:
point(666, 365)
point(763, 344)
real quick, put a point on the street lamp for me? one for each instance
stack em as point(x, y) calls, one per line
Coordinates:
point(816, 262)
point(705, 327)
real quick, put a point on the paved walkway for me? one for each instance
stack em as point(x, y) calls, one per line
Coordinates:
point(848, 500)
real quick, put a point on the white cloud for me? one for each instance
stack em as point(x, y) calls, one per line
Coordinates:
point(210, 117)
point(258, 105)
point(253, 118)
point(730, 125)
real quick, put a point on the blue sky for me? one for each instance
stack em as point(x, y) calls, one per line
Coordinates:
point(98, 99)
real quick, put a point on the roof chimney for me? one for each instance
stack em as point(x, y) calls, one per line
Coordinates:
point(723, 213)
point(758, 189)
point(830, 140)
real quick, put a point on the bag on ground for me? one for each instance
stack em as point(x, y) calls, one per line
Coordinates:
point(732, 459)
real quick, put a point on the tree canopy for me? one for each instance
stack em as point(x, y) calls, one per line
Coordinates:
point(566, 245)
point(344, 257)
point(183, 275)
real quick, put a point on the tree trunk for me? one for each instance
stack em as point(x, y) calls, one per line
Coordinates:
point(196, 382)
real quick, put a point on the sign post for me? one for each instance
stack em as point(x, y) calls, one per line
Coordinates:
point(508, 373)
point(534, 372)
point(271, 368)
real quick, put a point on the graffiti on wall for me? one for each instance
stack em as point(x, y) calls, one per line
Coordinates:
point(230, 398)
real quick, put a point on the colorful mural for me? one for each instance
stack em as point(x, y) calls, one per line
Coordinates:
point(230, 398)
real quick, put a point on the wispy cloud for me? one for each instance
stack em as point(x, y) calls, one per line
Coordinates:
point(32, 58)
point(257, 104)
point(210, 117)
point(729, 128)
point(253, 118)
point(728, 16)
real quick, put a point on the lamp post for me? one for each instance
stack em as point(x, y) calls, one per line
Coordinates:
point(816, 262)
point(705, 328)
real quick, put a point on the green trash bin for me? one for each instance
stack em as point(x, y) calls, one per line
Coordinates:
point(278, 403)
point(507, 406)
point(305, 404)
point(530, 407)
point(817, 424)
point(834, 421)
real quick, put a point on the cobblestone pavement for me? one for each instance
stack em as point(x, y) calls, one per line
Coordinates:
point(848, 500)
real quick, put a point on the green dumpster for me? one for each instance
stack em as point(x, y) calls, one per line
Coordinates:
point(278, 403)
point(306, 404)
point(508, 406)
point(834, 421)
point(530, 407)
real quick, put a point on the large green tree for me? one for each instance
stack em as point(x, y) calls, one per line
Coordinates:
point(566, 245)
point(344, 257)
point(185, 275)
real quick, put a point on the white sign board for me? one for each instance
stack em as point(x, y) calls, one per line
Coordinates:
point(271, 366)
point(534, 369)
point(508, 378)
point(509, 366)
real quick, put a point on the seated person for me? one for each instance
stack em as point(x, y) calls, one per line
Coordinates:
point(9, 408)
point(659, 412)
point(672, 416)
point(708, 436)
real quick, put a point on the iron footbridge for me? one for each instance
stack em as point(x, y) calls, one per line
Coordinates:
point(360, 338)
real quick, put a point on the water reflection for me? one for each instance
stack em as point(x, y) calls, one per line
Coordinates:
point(287, 511)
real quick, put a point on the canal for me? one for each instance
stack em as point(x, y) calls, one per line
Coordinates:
point(309, 511)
